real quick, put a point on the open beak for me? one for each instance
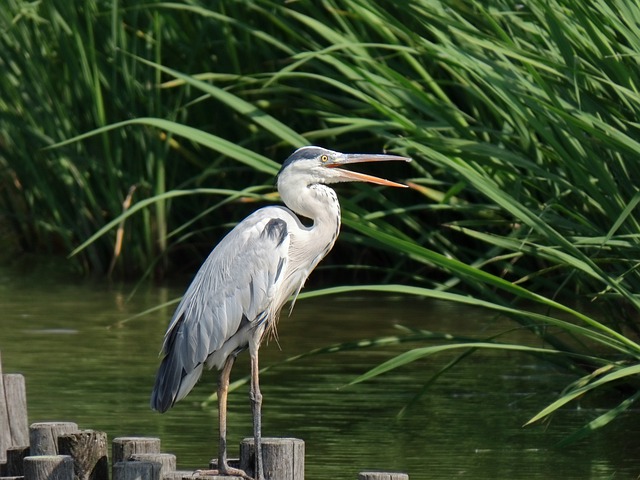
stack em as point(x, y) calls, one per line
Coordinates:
point(348, 175)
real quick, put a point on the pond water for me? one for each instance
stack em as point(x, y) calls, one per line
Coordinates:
point(82, 365)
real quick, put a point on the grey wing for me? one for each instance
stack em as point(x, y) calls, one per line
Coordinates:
point(229, 297)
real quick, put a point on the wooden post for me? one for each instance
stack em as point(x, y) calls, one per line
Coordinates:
point(16, 397)
point(14, 426)
point(167, 461)
point(48, 467)
point(5, 431)
point(43, 437)
point(136, 471)
point(124, 447)
point(382, 476)
point(15, 458)
point(88, 448)
point(282, 458)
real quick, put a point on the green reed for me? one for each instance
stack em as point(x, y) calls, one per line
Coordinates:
point(521, 119)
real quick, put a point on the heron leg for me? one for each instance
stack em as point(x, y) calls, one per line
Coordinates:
point(256, 407)
point(223, 390)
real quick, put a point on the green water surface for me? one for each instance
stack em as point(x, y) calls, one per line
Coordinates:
point(81, 365)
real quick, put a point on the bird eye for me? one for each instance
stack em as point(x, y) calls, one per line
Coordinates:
point(324, 159)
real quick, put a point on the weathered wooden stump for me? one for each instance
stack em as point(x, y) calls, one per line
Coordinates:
point(48, 467)
point(124, 447)
point(382, 476)
point(15, 458)
point(282, 458)
point(136, 471)
point(167, 461)
point(14, 426)
point(88, 448)
point(43, 437)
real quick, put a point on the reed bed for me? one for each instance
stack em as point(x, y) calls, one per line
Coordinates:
point(120, 123)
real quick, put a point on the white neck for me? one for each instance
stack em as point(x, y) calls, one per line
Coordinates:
point(318, 203)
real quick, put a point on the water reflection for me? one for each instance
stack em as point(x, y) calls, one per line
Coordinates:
point(81, 366)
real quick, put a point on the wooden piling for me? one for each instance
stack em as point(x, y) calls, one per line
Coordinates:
point(124, 447)
point(88, 448)
point(14, 426)
point(282, 458)
point(5, 431)
point(167, 461)
point(16, 399)
point(136, 471)
point(48, 467)
point(15, 458)
point(43, 436)
point(382, 476)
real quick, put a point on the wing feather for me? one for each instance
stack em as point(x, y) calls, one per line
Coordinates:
point(232, 292)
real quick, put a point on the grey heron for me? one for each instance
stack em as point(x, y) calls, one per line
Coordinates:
point(236, 296)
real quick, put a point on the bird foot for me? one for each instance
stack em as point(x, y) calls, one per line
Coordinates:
point(224, 472)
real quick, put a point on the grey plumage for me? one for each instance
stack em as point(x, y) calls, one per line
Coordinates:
point(237, 281)
point(237, 294)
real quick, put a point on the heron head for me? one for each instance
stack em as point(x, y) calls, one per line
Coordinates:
point(320, 165)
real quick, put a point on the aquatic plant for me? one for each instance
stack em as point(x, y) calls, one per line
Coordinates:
point(521, 119)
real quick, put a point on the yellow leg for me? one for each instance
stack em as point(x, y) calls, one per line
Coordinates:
point(256, 404)
point(223, 390)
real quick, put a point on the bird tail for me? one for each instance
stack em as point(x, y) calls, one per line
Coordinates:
point(173, 383)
